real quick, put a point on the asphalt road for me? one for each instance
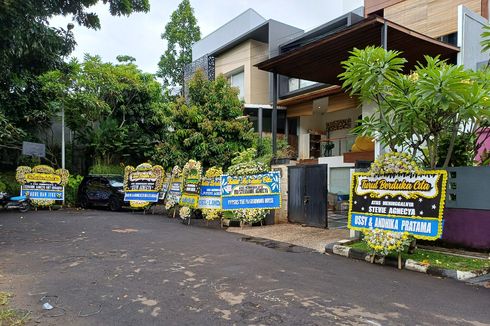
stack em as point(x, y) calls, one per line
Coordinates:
point(133, 269)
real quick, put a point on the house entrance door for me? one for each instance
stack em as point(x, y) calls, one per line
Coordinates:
point(307, 195)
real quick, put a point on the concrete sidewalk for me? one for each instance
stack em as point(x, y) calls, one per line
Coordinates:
point(309, 237)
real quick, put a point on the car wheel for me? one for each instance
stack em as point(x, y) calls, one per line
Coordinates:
point(114, 204)
point(84, 202)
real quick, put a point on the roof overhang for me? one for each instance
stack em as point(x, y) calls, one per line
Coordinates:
point(259, 33)
point(321, 61)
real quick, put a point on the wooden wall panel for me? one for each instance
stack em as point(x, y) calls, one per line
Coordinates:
point(340, 102)
point(301, 109)
point(434, 18)
point(371, 6)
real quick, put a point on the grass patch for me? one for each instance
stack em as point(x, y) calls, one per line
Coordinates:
point(229, 216)
point(4, 298)
point(11, 317)
point(441, 260)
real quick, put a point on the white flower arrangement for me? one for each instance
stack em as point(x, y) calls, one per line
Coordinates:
point(176, 171)
point(394, 162)
point(248, 168)
point(383, 242)
point(192, 167)
point(169, 203)
point(185, 212)
point(250, 215)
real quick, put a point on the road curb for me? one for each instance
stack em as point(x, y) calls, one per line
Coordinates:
point(341, 248)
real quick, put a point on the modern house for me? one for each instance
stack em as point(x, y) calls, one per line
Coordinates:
point(234, 50)
point(320, 115)
point(288, 80)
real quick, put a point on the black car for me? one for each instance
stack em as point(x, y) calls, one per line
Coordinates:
point(102, 190)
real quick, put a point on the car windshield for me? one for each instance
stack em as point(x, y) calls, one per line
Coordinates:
point(117, 181)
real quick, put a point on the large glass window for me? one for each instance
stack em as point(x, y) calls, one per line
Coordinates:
point(238, 80)
point(305, 83)
point(295, 84)
point(252, 114)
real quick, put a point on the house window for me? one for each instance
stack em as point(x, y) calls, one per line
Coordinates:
point(295, 84)
point(238, 80)
point(450, 38)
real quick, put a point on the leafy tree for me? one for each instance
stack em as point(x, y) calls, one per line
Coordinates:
point(180, 33)
point(416, 112)
point(115, 111)
point(463, 149)
point(9, 134)
point(125, 58)
point(209, 128)
point(485, 43)
point(30, 47)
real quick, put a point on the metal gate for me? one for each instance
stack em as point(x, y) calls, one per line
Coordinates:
point(307, 195)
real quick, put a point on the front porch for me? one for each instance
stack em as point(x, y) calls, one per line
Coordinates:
point(322, 123)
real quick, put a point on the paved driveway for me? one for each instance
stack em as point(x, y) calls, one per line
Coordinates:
point(133, 269)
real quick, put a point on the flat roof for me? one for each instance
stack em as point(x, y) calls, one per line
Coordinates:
point(320, 61)
point(226, 33)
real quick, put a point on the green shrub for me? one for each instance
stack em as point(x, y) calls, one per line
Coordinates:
point(264, 149)
point(3, 187)
point(12, 187)
point(28, 160)
point(106, 169)
point(71, 189)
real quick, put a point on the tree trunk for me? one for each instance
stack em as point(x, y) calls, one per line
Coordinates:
point(451, 145)
point(433, 152)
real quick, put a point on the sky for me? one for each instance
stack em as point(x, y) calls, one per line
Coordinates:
point(139, 35)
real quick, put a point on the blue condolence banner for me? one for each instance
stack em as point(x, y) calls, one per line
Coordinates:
point(251, 191)
point(414, 226)
point(148, 196)
point(210, 193)
point(43, 194)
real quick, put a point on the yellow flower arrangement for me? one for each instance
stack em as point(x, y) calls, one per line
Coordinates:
point(211, 214)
